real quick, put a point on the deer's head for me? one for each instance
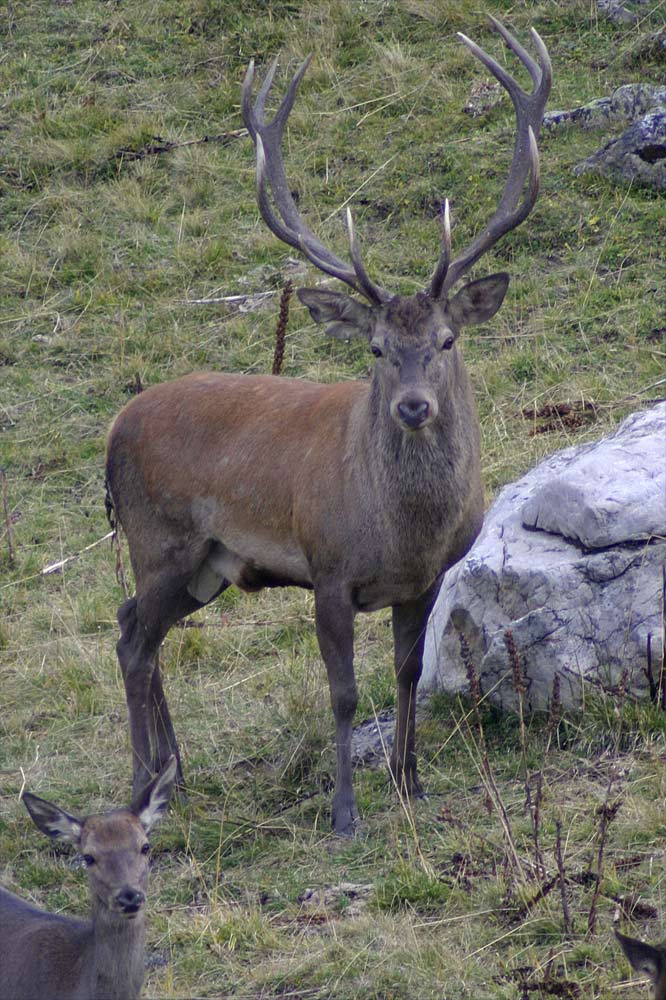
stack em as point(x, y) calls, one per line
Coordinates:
point(114, 845)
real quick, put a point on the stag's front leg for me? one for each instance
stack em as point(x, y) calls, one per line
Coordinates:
point(409, 625)
point(334, 618)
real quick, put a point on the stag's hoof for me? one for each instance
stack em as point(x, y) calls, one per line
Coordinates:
point(344, 817)
point(407, 783)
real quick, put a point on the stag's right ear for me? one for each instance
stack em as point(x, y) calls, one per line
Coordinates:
point(344, 317)
point(52, 820)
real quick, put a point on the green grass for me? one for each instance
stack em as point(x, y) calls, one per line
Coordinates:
point(103, 245)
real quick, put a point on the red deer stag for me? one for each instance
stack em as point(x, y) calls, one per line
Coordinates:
point(48, 956)
point(364, 492)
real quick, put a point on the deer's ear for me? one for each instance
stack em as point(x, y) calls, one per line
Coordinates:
point(643, 957)
point(479, 300)
point(52, 820)
point(343, 316)
point(150, 804)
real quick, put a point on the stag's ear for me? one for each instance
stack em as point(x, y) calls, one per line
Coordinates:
point(52, 820)
point(150, 804)
point(479, 300)
point(344, 317)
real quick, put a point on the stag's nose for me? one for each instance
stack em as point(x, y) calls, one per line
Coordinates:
point(130, 900)
point(414, 412)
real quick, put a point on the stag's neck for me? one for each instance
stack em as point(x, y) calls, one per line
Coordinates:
point(118, 947)
point(425, 463)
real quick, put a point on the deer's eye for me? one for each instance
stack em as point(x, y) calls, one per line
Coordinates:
point(88, 860)
point(377, 351)
point(146, 848)
point(448, 343)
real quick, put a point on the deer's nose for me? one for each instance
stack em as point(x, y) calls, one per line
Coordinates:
point(130, 900)
point(414, 412)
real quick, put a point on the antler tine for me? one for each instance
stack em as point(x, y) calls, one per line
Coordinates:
point(443, 263)
point(254, 116)
point(370, 289)
point(287, 223)
point(514, 205)
point(533, 68)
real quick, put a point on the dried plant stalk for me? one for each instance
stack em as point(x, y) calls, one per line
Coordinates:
point(533, 808)
point(568, 926)
point(281, 328)
point(493, 797)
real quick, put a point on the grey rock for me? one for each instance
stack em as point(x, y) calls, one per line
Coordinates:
point(638, 155)
point(617, 12)
point(372, 740)
point(626, 104)
point(570, 559)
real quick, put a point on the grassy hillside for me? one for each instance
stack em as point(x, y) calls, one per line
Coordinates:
point(126, 197)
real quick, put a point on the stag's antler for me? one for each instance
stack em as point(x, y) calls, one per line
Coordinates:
point(289, 226)
point(511, 210)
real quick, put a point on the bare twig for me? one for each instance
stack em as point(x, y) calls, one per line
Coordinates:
point(544, 889)
point(493, 797)
point(8, 519)
point(160, 145)
point(608, 810)
point(120, 568)
point(555, 713)
point(536, 818)
point(231, 299)
point(568, 927)
point(281, 329)
point(56, 567)
point(533, 808)
point(657, 692)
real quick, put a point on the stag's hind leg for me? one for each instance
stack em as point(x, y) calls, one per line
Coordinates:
point(144, 622)
point(137, 657)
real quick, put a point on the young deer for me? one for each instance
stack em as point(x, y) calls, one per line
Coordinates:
point(46, 956)
point(648, 959)
point(364, 492)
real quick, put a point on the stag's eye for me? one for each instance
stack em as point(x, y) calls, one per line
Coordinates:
point(88, 860)
point(377, 351)
point(145, 849)
point(448, 343)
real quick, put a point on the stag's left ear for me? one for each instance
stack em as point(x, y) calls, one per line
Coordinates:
point(479, 300)
point(343, 316)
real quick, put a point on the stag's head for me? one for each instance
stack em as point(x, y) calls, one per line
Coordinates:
point(412, 338)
